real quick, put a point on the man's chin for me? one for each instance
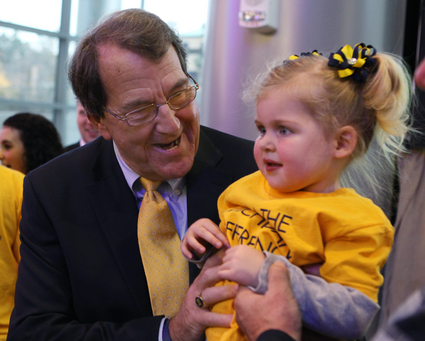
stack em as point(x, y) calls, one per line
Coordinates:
point(174, 170)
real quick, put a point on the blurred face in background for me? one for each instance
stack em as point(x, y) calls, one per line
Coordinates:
point(87, 130)
point(12, 151)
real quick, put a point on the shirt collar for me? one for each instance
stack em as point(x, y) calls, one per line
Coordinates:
point(132, 178)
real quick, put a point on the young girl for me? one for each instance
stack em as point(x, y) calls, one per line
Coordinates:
point(315, 116)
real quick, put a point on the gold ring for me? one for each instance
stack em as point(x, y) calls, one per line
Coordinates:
point(199, 301)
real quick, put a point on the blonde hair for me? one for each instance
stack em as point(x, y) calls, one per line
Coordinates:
point(379, 107)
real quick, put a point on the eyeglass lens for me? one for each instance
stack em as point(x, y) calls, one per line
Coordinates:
point(177, 101)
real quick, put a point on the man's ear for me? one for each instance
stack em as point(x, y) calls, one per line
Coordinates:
point(346, 141)
point(97, 122)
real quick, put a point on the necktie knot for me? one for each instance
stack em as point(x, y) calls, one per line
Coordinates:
point(150, 185)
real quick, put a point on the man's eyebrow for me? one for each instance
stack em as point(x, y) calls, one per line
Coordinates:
point(136, 104)
point(179, 84)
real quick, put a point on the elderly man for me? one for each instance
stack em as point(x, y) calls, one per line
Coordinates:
point(84, 274)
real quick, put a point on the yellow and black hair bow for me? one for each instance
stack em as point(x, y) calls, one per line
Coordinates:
point(313, 53)
point(357, 62)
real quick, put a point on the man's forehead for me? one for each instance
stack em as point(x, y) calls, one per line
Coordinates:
point(131, 80)
point(114, 60)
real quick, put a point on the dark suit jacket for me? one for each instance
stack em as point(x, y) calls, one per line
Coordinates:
point(71, 147)
point(274, 335)
point(81, 276)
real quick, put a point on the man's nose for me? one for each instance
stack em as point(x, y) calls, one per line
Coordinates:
point(167, 121)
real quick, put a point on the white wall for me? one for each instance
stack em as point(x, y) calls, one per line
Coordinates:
point(233, 53)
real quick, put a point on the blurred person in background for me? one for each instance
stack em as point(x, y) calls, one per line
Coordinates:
point(11, 183)
point(87, 131)
point(27, 141)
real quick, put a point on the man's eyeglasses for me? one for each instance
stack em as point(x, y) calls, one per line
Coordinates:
point(147, 114)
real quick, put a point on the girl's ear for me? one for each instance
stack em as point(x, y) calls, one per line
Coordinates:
point(101, 128)
point(346, 141)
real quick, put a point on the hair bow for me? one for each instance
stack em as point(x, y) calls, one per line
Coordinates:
point(355, 62)
point(313, 53)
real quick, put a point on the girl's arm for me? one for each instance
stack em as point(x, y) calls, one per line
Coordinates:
point(327, 308)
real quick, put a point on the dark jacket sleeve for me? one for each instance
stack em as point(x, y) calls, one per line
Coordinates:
point(70, 286)
point(274, 335)
point(81, 276)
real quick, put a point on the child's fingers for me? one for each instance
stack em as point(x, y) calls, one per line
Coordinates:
point(217, 233)
point(185, 249)
point(186, 253)
point(223, 239)
point(191, 241)
point(210, 237)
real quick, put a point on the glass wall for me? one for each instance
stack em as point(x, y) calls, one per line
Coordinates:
point(37, 39)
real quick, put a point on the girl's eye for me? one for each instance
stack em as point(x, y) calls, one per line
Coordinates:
point(262, 130)
point(284, 131)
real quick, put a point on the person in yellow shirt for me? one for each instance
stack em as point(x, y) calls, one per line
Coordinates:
point(11, 190)
point(315, 116)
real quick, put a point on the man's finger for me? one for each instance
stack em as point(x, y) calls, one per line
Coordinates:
point(213, 295)
point(214, 260)
point(218, 320)
point(278, 276)
point(420, 75)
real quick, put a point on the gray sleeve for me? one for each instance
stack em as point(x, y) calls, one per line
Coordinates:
point(327, 308)
point(407, 322)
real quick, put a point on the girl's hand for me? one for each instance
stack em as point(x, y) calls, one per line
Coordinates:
point(242, 264)
point(201, 233)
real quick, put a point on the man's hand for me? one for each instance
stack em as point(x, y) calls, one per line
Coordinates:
point(191, 321)
point(277, 309)
point(420, 75)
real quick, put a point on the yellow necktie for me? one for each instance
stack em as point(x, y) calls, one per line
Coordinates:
point(167, 271)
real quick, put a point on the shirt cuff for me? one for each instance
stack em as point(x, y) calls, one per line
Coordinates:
point(263, 275)
point(199, 260)
point(164, 331)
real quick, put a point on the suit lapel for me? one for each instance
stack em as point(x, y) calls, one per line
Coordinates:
point(205, 182)
point(114, 204)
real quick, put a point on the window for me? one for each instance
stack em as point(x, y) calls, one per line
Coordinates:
point(38, 37)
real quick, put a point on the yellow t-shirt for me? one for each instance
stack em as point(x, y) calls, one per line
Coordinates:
point(345, 231)
point(11, 190)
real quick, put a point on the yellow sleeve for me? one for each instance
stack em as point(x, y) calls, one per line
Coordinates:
point(356, 258)
point(19, 197)
point(16, 246)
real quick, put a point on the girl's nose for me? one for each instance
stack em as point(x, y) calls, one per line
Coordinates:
point(266, 142)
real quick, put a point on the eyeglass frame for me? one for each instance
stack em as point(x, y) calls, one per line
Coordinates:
point(196, 87)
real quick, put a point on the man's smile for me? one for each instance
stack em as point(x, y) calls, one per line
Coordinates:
point(168, 146)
